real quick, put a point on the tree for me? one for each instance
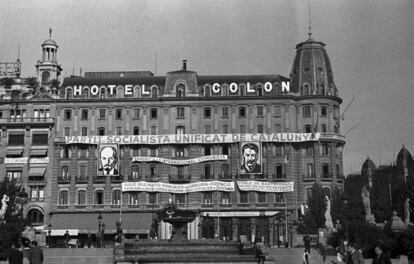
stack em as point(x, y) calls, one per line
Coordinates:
point(32, 82)
point(14, 223)
point(314, 217)
point(7, 82)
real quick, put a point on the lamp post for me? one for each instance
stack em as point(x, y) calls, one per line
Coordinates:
point(22, 200)
point(49, 231)
point(346, 218)
point(103, 234)
point(99, 229)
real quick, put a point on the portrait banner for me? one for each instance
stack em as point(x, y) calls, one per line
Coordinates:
point(260, 186)
point(144, 186)
point(108, 160)
point(179, 162)
point(251, 158)
point(193, 138)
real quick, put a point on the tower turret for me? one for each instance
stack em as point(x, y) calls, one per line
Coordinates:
point(48, 68)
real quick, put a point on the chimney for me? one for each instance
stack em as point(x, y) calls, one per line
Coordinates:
point(184, 65)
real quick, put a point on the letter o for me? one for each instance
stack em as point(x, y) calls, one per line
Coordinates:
point(233, 87)
point(94, 90)
point(268, 87)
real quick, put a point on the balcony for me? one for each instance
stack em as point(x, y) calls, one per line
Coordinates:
point(134, 178)
point(207, 205)
point(117, 179)
point(27, 121)
point(64, 180)
point(308, 178)
point(179, 178)
point(99, 179)
point(277, 177)
point(326, 177)
point(260, 177)
point(81, 179)
point(37, 180)
point(152, 178)
point(225, 177)
point(207, 177)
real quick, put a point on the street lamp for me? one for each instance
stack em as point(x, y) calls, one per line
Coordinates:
point(103, 233)
point(99, 229)
point(49, 231)
point(22, 200)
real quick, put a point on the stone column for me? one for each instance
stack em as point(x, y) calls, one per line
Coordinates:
point(235, 228)
point(253, 222)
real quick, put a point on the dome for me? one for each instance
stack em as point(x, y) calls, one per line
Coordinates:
point(403, 157)
point(311, 70)
point(49, 42)
point(368, 167)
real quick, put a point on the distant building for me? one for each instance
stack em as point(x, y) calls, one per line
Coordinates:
point(241, 149)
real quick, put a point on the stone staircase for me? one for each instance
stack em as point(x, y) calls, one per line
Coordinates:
point(295, 256)
point(78, 255)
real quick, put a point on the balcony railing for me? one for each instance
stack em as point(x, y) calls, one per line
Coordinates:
point(327, 177)
point(179, 178)
point(27, 120)
point(134, 178)
point(225, 177)
point(117, 179)
point(99, 179)
point(81, 180)
point(207, 177)
point(152, 178)
point(308, 177)
point(64, 180)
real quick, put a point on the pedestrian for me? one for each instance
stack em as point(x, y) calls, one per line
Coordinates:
point(66, 237)
point(35, 254)
point(260, 256)
point(306, 242)
point(15, 256)
point(354, 255)
point(341, 251)
point(306, 257)
point(89, 239)
point(381, 257)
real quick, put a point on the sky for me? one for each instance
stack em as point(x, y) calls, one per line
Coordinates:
point(369, 43)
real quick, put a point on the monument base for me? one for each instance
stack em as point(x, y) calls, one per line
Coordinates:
point(370, 219)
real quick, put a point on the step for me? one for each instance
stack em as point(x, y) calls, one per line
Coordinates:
point(78, 255)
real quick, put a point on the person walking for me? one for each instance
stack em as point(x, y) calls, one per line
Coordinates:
point(381, 257)
point(35, 254)
point(15, 256)
point(354, 255)
point(89, 239)
point(66, 237)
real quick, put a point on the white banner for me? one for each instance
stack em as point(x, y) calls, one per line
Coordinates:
point(16, 160)
point(260, 186)
point(180, 162)
point(193, 138)
point(143, 186)
point(39, 160)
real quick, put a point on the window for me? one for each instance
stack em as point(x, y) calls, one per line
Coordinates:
point(243, 129)
point(153, 130)
point(207, 150)
point(242, 112)
point(101, 131)
point(82, 172)
point(84, 114)
point(225, 129)
point(119, 131)
point(65, 172)
point(207, 172)
point(84, 131)
point(308, 128)
point(153, 171)
point(40, 139)
point(338, 173)
point(259, 110)
point(16, 139)
point(67, 114)
point(325, 149)
point(309, 150)
point(207, 112)
point(323, 128)
point(134, 172)
point(279, 198)
point(307, 111)
point(207, 129)
point(153, 113)
point(63, 197)
point(152, 151)
point(99, 197)
point(180, 172)
point(278, 111)
point(118, 114)
point(152, 198)
point(309, 170)
point(278, 128)
point(136, 131)
point(133, 199)
point(279, 150)
point(225, 198)
point(336, 129)
point(225, 171)
point(81, 197)
point(260, 128)
point(261, 197)
point(136, 113)
point(67, 131)
point(180, 90)
point(180, 112)
point(324, 110)
point(14, 175)
point(179, 198)
point(102, 113)
point(36, 217)
point(180, 130)
point(179, 152)
point(325, 170)
point(243, 198)
point(207, 197)
point(279, 171)
point(116, 197)
point(225, 111)
point(225, 149)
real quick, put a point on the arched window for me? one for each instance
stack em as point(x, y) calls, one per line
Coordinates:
point(35, 216)
point(45, 77)
point(134, 172)
point(116, 197)
point(306, 89)
point(102, 94)
point(64, 197)
point(68, 94)
point(154, 92)
point(99, 197)
point(180, 130)
point(85, 92)
point(81, 197)
point(207, 90)
point(180, 90)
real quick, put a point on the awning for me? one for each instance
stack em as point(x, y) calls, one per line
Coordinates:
point(38, 152)
point(37, 171)
point(133, 223)
point(14, 151)
point(61, 232)
point(240, 213)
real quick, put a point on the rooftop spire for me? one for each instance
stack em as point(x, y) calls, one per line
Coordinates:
point(310, 27)
point(50, 32)
point(18, 52)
